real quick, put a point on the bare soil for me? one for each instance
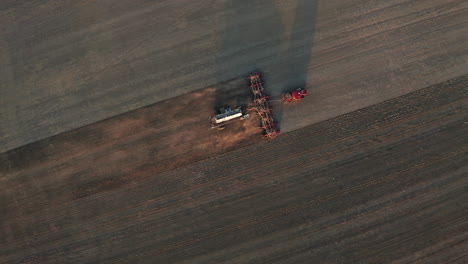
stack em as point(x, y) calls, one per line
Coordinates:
point(379, 185)
point(66, 64)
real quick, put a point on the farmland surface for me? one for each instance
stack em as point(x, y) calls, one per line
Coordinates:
point(107, 156)
point(385, 183)
point(65, 64)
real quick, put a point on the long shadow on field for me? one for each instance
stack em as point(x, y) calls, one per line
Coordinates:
point(275, 39)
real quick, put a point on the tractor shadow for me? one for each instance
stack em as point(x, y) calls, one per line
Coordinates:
point(258, 36)
point(232, 93)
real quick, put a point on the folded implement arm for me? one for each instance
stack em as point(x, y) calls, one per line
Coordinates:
point(261, 105)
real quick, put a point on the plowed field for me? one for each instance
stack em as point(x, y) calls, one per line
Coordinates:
point(385, 183)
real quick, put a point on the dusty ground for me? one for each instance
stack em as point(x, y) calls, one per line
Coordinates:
point(64, 64)
point(161, 137)
point(385, 183)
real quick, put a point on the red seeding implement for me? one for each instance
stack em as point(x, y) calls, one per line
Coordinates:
point(261, 105)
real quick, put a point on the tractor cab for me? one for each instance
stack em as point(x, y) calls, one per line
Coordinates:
point(296, 95)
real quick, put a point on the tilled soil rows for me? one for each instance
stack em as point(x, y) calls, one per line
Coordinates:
point(384, 183)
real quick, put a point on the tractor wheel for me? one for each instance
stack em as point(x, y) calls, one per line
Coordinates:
point(287, 97)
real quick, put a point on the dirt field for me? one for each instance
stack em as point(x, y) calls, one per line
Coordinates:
point(65, 64)
point(161, 137)
point(106, 155)
point(385, 183)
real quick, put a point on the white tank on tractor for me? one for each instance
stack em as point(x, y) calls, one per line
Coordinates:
point(227, 115)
